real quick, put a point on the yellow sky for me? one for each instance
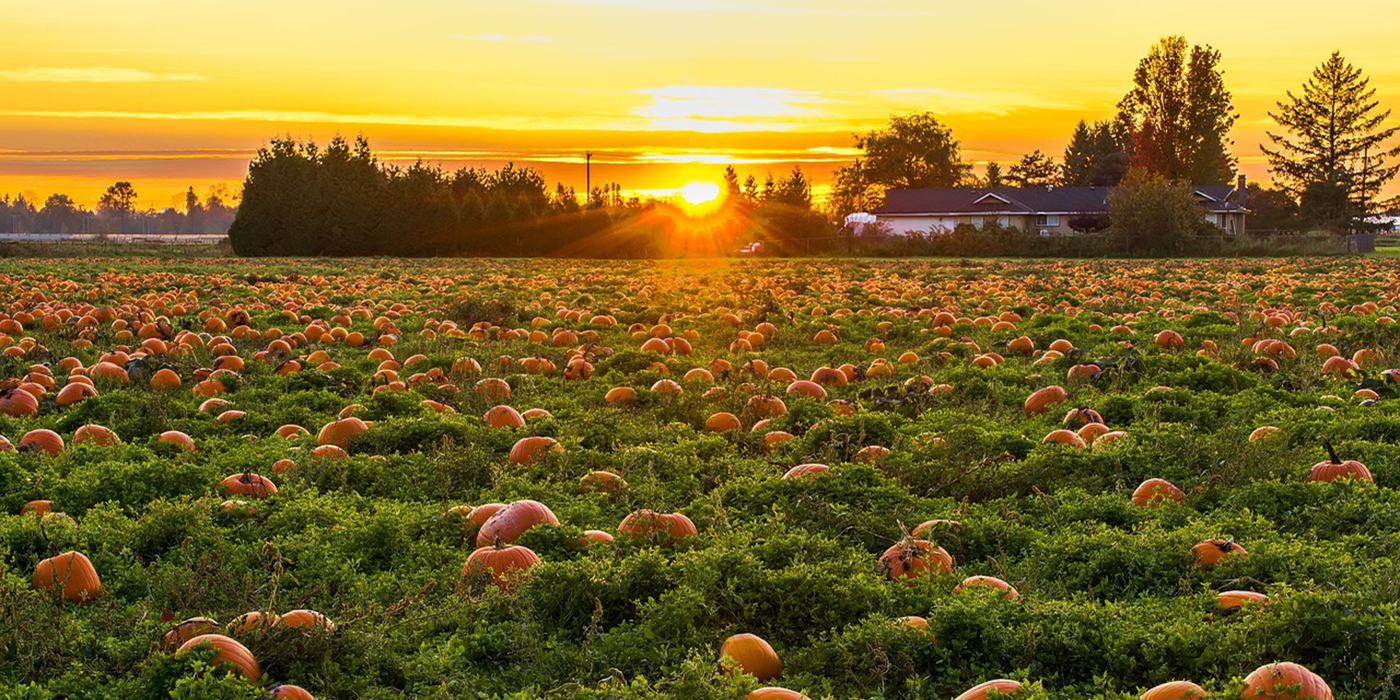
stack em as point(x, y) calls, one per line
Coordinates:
point(171, 94)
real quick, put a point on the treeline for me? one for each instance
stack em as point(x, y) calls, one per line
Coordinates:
point(1330, 160)
point(339, 200)
point(118, 212)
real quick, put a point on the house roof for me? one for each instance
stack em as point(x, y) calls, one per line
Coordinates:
point(1028, 200)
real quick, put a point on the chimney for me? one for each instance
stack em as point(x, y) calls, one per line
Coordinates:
point(1239, 187)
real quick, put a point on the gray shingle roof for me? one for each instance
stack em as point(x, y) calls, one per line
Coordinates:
point(1025, 200)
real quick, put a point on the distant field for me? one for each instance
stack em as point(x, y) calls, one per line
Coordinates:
point(845, 445)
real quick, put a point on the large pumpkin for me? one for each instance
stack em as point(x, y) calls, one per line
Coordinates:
point(290, 692)
point(500, 564)
point(1285, 681)
point(753, 656)
point(1335, 468)
point(248, 484)
point(775, 693)
point(910, 559)
point(230, 653)
point(42, 440)
point(509, 523)
point(992, 582)
point(72, 574)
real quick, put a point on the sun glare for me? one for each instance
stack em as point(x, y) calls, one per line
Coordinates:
point(699, 193)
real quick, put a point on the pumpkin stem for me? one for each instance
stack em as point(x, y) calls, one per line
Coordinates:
point(1331, 452)
point(497, 544)
point(1226, 545)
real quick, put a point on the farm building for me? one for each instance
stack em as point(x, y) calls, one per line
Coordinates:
point(1045, 210)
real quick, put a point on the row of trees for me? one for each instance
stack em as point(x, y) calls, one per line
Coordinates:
point(303, 199)
point(117, 212)
point(1330, 161)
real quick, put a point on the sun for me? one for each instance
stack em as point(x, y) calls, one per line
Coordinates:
point(699, 193)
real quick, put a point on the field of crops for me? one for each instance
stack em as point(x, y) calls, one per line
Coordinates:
point(523, 479)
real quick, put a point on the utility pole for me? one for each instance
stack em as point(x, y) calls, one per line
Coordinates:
point(588, 175)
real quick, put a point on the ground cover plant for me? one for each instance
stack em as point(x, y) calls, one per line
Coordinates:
point(772, 479)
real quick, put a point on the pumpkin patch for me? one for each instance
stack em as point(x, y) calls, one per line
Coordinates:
point(504, 479)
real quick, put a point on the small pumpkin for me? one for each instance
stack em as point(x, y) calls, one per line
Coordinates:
point(1335, 468)
point(753, 656)
point(509, 523)
point(1285, 681)
point(1176, 690)
point(501, 564)
point(910, 559)
point(1151, 493)
point(1210, 552)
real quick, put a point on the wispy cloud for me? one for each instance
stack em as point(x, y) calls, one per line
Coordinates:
point(92, 75)
point(505, 38)
point(712, 109)
point(993, 102)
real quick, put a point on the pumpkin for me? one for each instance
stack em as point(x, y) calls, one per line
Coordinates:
point(189, 629)
point(1041, 400)
point(509, 523)
point(164, 379)
point(1003, 687)
point(251, 621)
point(722, 422)
point(500, 564)
point(649, 523)
point(39, 508)
point(95, 434)
point(339, 432)
point(532, 449)
point(42, 440)
point(290, 692)
point(306, 619)
point(910, 559)
point(1335, 468)
point(1152, 492)
point(1285, 681)
point(1231, 600)
point(73, 393)
point(230, 653)
point(248, 484)
point(1209, 552)
point(502, 417)
point(71, 573)
point(1262, 432)
point(605, 481)
point(752, 655)
point(808, 470)
point(775, 693)
point(870, 454)
point(596, 536)
point(1176, 690)
point(987, 582)
point(175, 437)
point(18, 403)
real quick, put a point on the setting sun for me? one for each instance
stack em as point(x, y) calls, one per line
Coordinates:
point(698, 193)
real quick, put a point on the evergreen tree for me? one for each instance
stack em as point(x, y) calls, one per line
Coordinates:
point(992, 177)
point(731, 182)
point(1333, 156)
point(1034, 170)
point(1095, 156)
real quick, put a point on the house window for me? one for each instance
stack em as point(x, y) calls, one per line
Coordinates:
point(1047, 220)
point(1004, 221)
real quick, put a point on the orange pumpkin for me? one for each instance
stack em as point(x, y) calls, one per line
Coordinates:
point(230, 653)
point(1152, 492)
point(1285, 681)
point(911, 559)
point(500, 564)
point(649, 523)
point(509, 523)
point(752, 655)
point(1176, 690)
point(72, 574)
point(1003, 687)
point(532, 449)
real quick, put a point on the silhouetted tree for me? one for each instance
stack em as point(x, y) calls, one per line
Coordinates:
point(1034, 170)
point(1333, 156)
point(1178, 114)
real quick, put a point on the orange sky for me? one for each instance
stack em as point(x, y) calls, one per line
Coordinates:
point(169, 94)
